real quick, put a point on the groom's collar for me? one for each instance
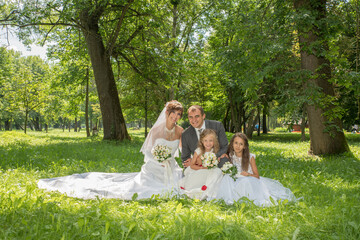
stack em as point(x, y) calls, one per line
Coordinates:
point(203, 127)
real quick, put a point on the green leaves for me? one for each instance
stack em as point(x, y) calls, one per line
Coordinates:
point(26, 87)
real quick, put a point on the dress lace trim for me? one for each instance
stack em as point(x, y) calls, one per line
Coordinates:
point(169, 133)
point(237, 162)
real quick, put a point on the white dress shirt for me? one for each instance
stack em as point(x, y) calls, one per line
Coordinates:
point(202, 129)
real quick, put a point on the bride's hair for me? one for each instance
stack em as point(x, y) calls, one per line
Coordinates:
point(204, 133)
point(245, 159)
point(173, 106)
point(158, 130)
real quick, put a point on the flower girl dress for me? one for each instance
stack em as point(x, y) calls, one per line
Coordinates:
point(259, 191)
point(200, 184)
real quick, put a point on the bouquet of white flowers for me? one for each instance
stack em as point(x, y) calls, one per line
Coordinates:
point(229, 168)
point(209, 160)
point(161, 153)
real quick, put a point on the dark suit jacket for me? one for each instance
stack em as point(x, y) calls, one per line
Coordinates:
point(189, 140)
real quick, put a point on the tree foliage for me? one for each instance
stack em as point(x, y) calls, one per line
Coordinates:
point(240, 59)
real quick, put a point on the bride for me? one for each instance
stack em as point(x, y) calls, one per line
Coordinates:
point(155, 178)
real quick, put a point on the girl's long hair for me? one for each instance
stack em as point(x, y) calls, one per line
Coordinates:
point(245, 160)
point(216, 141)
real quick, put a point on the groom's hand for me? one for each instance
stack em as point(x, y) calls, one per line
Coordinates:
point(186, 163)
point(223, 156)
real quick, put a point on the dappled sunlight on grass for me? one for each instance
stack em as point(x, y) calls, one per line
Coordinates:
point(328, 188)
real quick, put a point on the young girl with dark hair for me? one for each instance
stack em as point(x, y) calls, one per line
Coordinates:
point(248, 184)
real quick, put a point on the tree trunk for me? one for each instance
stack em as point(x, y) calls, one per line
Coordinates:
point(303, 124)
point(37, 126)
point(26, 120)
point(233, 114)
point(244, 120)
point(75, 125)
point(325, 137)
point(251, 123)
point(7, 124)
point(264, 123)
point(258, 122)
point(46, 127)
point(36, 123)
point(173, 36)
point(357, 62)
point(225, 121)
point(63, 125)
point(87, 104)
point(302, 127)
point(112, 116)
point(146, 112)
point(358, 103)
point(236, 112)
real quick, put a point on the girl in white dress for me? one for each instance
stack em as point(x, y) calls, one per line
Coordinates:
point(248, 183)
point(155, 178)
point(203, 176)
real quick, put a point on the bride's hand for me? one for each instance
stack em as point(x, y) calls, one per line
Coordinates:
point(245, 173)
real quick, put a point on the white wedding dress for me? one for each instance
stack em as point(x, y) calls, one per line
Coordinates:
point(202, 183)
point(259, 191)
point(154, 179)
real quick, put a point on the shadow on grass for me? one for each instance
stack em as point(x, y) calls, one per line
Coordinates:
point(97, 155)
point(345, 166)
point(280, 137)
point(63, 158)
point(85, 219)
point(329, 186)
point(294, 137)
point(73, 156)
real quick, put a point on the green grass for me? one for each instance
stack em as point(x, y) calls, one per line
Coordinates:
point(329, 188)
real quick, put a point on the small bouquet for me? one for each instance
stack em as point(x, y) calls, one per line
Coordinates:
point(161, 153)
point(209, 160)
point(229, 168)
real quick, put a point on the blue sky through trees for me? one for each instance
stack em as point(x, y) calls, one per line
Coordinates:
point(11, 41)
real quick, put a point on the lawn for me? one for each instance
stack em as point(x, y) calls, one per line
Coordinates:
point(328, 189)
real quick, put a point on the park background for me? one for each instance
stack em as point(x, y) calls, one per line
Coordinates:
point(112, 65)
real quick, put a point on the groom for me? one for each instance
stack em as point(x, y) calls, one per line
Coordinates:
point(190, 136)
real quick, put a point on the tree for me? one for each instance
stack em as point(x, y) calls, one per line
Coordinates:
point(86, 16)
point(326, 134)
point(345, 55)
point(26, 90)
point(251, 46)
point(7, 59)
